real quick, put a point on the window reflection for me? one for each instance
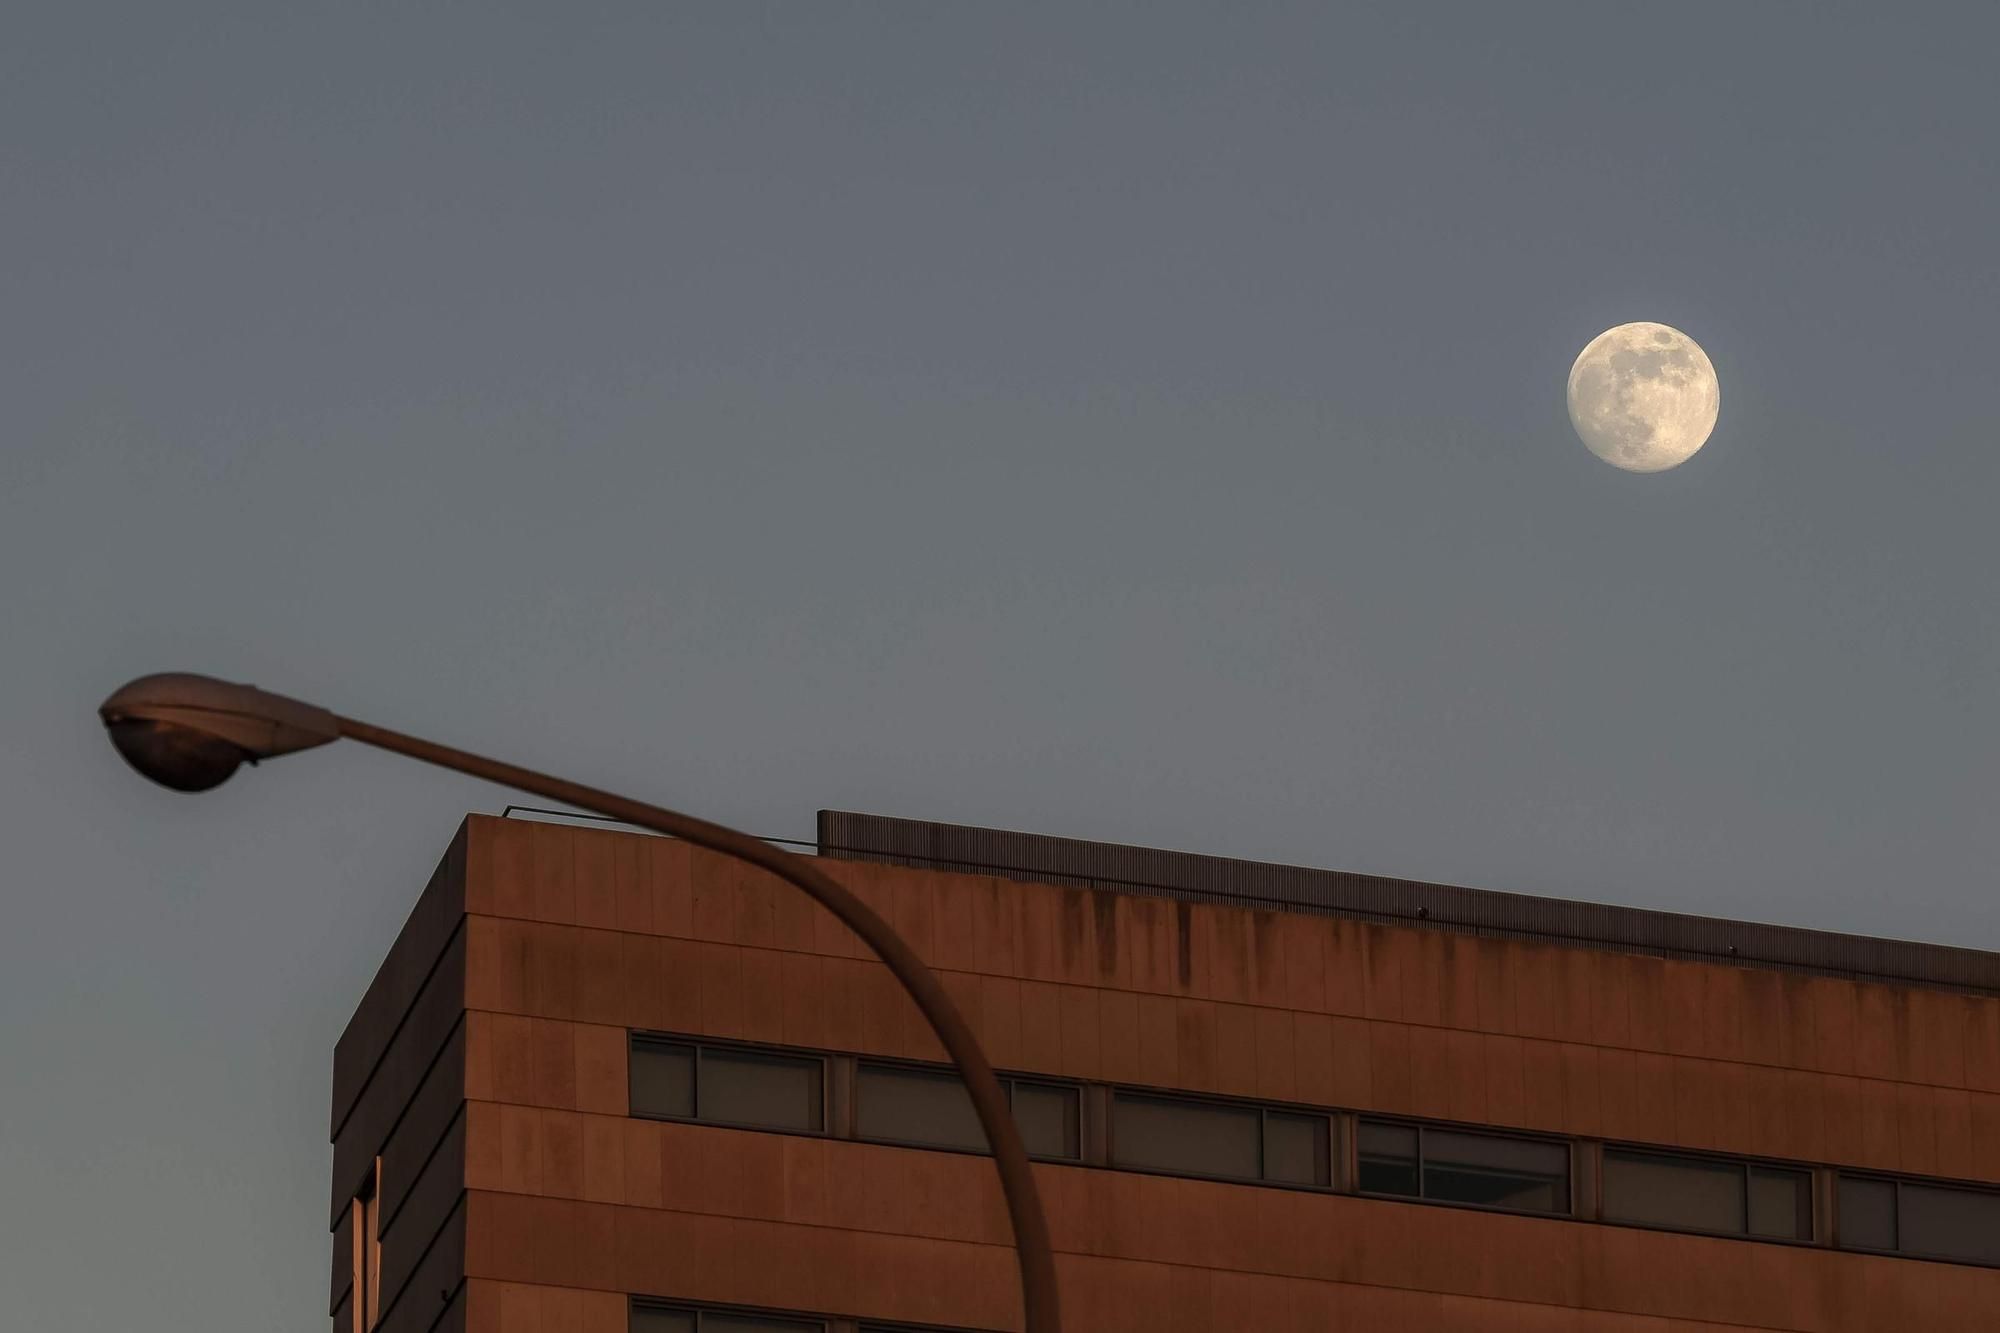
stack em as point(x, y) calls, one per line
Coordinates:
point(1461, 1166)
point(1388, 1158)
point(1527, 1174)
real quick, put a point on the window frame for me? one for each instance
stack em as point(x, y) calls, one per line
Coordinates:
point(661, 1040)
point(1264, 1112)
point(1743, 1165)
point(1896, 1183)
point(634, 1305)
point(827, 1323)
point(1008, 1082)
point(1568, 1145)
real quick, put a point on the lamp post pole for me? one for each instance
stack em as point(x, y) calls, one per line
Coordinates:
point(191, 732)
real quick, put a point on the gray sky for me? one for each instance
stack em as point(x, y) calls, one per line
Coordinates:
point(1133, 422)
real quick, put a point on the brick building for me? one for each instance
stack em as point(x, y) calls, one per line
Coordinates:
point(604, 1081)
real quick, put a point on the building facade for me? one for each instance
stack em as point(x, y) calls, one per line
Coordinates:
point(607, 1082)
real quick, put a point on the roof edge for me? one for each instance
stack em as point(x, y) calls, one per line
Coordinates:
point(1189, 876)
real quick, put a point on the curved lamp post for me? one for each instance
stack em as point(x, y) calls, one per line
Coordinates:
point(191, 732)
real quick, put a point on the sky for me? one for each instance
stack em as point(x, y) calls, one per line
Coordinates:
point(1133, 422)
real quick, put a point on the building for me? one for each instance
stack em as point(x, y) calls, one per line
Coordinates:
point(604, 1082)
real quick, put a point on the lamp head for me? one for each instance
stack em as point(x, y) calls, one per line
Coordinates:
point(191, 732)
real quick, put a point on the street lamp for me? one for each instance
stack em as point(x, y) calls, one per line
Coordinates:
point(191, 732)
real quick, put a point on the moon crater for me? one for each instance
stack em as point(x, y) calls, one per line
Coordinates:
point(1643, 397)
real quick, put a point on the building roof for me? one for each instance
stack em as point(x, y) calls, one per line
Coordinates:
point(1184, 876)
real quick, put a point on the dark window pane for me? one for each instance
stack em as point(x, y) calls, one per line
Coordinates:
point(1496, 1171)
point(1780, 1203)
point(915, 1106)
point(750, 1323)
point(1197, 1137)
point(647, 1320)
point(1682, 1192)
point(746, 1088)
point(662, 1079)
point(1295, 1149)
point(1867, 1213)
point(1047, 1116)
point(1950, 1223)
point(1388, 1158)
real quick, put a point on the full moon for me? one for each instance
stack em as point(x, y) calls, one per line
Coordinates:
point(1643, 397)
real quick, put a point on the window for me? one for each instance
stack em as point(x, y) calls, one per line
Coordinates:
point(365, 1228)
point(900, 1104)
point(1867, 1212)
point(1387, 1157)
point(649, 1318)
point(1707, 1194)
point(685, 1078)
point(1949, 1223)
point(1458, 1166)
point(1202, 1138)
point(663, 1319)
point(752, 1088)
point(728, 1085)
point(1048, 1115)
point(1780, 1203)
point(1685, 1193)
point(1295, 1149)
point(1219, 1139)
point(662, 1079)
point(1917, 1217)
point(1498, 1172)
